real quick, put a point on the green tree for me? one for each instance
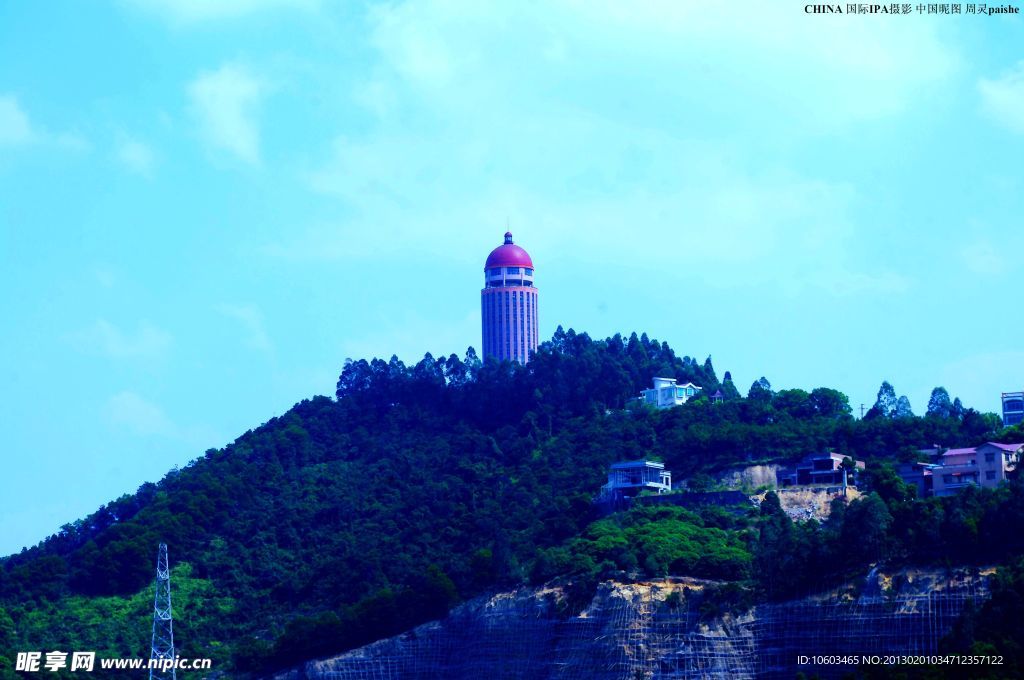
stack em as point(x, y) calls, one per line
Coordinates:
point(865, 528)
point(760, 390)
point(939, 405)
point(6, 630)
point(796, 402)
point(885, 403)
point(709, 373)
point(881, 478)
point(774, 553)
point(729, 390)
point(830, 403)
point(996, 627)
point(903, 409)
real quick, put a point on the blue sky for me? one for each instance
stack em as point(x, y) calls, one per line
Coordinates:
point(206, 207)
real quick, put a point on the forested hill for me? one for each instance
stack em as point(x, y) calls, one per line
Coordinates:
point(349, 519)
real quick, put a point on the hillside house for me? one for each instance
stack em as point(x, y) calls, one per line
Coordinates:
point(819, 470)
point(986, 466)
point(629, 479)
point(666, 393)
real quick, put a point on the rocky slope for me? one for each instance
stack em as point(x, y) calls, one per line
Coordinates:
point(642, 630)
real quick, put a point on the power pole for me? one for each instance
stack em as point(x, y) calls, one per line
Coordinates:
point(163, 628)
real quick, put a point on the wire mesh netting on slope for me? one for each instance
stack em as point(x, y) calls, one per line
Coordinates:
point(630, 632)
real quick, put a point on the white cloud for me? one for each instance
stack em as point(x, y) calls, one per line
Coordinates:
point(376, 95)
point(251, 319)
point(325, 242)
point(130, 411)
point(640, 192)
point(610, 130)
point(102, 337)
point(197, 11)
point(981, 257)
point(72, 141)
point(819, 72)
point(136, 156)
point(1003, 98)
point(17, 129)
point(105, 276)
point(225, 103)
point(845, 283)
point(15, 126)
point(412, 337)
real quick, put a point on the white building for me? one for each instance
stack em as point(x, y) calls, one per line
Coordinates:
point(666, 393)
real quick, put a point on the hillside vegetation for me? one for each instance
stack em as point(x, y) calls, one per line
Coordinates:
point(349, 519)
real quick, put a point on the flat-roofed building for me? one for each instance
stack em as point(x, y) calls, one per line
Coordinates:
point(628, 479)
point(819, 470)
point(986, 466)
point(1013, 408)
point(919, 475)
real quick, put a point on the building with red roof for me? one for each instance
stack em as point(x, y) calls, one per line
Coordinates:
point(987, 466)
point(508, 304)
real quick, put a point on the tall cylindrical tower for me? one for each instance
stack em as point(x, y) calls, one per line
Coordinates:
point(508, 304)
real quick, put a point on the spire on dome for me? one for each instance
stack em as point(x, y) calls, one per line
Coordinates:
point(508, 254)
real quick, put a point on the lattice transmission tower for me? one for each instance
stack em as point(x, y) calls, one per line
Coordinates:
point(163, 626)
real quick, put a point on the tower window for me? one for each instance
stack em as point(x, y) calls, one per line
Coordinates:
point(511, 270)
point(528, 271)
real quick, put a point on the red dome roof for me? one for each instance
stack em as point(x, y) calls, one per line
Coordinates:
point(508, 255)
